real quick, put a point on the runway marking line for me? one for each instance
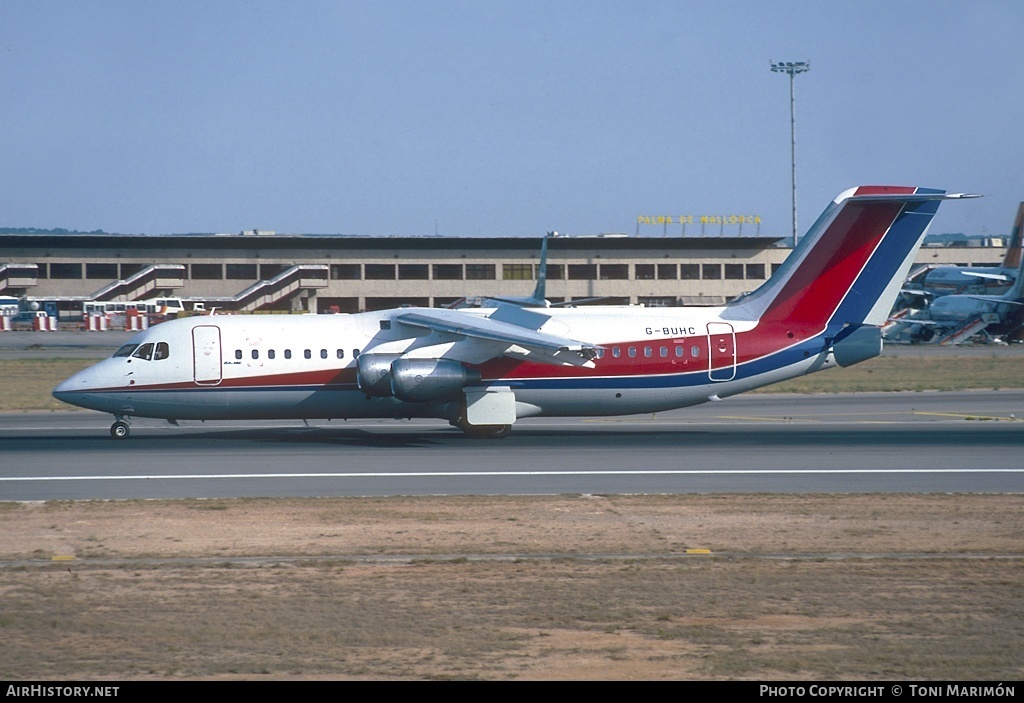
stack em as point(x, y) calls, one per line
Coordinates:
point(484, 474)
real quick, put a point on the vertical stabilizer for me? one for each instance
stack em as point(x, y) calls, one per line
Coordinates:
point(1013, 252)
point(540, 293)
point(848, 268)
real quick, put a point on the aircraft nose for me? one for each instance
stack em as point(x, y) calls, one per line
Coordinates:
point(68, 391)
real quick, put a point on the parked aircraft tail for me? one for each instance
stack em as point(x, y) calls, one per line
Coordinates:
point(1012, 259)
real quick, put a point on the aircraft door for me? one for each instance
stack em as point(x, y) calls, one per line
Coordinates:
point(721, 351)
point(206, 355)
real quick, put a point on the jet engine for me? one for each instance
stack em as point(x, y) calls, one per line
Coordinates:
point(427, 380)
point(373, 374)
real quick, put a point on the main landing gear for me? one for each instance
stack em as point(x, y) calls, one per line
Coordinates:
point(120, 429)
point(484, 431)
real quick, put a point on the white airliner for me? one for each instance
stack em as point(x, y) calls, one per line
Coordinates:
point(952, 319)
point(482, 369)
point(943, 280)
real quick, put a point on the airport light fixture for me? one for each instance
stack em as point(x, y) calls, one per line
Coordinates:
point(792, 68)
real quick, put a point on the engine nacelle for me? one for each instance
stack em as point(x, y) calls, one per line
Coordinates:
point(426, 380)
point(373, 374)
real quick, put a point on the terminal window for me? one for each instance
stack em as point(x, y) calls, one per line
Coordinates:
point(712, 271)
point(207, 272)
point(480, 272)
point(582, 272)
point(241, 272)
point(447, 272)
point(734, 272)
point(614, 272)
point(346, 272)
point(689, 272)
point(65, 270)
point(517, 272)
point(668, 272)
point(380, 272)
point(413, 272)
point(105, 271)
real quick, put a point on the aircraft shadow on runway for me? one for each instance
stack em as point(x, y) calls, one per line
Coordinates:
point(894, 438)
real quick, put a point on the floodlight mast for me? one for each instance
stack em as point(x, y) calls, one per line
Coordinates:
point(792, 68)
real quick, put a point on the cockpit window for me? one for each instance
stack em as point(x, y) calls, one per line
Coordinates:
point(126, 350)
point(144, 352)
point(162, 351)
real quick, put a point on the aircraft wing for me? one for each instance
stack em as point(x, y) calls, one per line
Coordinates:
point(517, 330)
point(991, 276)
point(912, 321)
point(995, 299)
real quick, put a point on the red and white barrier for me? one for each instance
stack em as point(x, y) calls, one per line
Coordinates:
point(6, 323)
point(44, 324)
point(96, 323)
point(136, 322)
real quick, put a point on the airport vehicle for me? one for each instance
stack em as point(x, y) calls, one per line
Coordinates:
point(154, 306)
point(9, 306)
point(484, 368)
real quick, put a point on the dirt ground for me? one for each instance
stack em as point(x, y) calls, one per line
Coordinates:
point(823, 587)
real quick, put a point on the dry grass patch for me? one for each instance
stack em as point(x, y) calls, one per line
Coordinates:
point(917, 373)
point(558, 587)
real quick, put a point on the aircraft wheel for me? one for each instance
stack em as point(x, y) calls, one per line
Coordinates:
point(120, 430)
point(486, 431)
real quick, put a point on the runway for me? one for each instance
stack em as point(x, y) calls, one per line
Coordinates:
point(894, 442)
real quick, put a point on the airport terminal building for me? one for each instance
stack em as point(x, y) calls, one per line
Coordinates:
point(265, 272)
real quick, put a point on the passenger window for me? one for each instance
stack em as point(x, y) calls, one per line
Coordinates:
point(632, 352)
point(308, 354)
point(600, 352)
point(664, 352)
point(124, 351)
point(355, 353)
point(255, 353)
point(647, 352)
point(679, 351)
point(287, 353)
point(694, 350)
point(238, 353)
point(271, 354)
point(341, 353)
point(144, 352)
point(323, 353)
point(162, 351)
point(616, 352)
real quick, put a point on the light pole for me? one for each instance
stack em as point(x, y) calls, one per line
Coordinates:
point(792, 68)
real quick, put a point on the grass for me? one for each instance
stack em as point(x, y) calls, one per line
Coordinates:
point(928, 373)
point(28, 382)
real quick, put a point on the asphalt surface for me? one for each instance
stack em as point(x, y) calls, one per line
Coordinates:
point(892, 442)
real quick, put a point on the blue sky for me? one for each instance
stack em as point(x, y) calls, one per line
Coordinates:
point(492, 118)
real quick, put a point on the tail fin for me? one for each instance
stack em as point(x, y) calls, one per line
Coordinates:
point(540, 290)
point(1016, 291)
point(848, 268)
point(1013, 252)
